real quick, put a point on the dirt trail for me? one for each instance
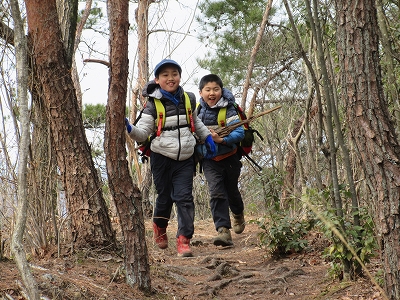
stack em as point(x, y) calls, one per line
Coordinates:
point(243, 271)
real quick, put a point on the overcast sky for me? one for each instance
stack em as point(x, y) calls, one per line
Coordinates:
point(183, 48)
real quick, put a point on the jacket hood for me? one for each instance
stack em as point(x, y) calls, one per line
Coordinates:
point(151, 89)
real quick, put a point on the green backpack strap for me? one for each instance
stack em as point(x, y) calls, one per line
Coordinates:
point(222, 117)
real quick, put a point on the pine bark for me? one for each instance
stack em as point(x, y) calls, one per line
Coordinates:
point(126, 195)
point(90, 223)
point(370, 126)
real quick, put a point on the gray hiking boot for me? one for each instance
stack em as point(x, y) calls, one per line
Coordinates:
point(238, 223)
point(223, 238)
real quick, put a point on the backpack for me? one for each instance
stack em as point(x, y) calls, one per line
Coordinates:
point(246, 145)
point(144, 147)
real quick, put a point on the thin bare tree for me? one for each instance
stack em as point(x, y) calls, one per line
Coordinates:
point(78, 34)
point(144, 173)
point(388, 58)
point(17, 245)
point(254, 51)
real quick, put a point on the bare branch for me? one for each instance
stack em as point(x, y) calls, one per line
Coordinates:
point(99, 61)
point(224, 131)
point(7, 34)
point(254, 53)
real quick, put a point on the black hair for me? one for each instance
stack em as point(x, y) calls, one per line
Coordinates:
point(210, 78)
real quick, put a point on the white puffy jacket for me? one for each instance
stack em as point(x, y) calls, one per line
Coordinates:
point(177, 143)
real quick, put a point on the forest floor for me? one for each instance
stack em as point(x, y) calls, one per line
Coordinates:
point(244, 271)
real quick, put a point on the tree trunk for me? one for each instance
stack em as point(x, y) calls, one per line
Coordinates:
point(253, 59)
point(42, 173)
point(126, 195)
point(17, 246)
point(290, 167)
point(370, 126)
point(392, 86)
point(330, 117)
point(68, 16)
point(142, 17)
point(90, 223)
point(78, 34)
point(42, 176)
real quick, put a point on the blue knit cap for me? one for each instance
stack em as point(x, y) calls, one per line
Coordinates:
point(164, 62)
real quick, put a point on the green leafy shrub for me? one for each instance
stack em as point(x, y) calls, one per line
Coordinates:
point(283, 233)
point(360, 238)
point(342, 233)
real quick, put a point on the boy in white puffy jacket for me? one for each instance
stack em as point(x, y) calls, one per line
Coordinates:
point(171, 157)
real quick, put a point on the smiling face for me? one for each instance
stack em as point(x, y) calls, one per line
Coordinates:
point(211, 93)
point(169, 78)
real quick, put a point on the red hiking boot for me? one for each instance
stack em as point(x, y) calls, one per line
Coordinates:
point(183, 246)
point(160, 236)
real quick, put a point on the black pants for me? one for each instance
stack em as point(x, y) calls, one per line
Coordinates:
point(174, 184)
point(222, 177)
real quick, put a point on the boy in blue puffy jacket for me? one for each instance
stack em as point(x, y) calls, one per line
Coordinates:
point(222, 171)
point(171, 158)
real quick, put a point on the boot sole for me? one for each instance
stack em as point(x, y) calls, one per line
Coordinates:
point(238, 231)
point(162, 246)
point(187, 254)
point(222, 243)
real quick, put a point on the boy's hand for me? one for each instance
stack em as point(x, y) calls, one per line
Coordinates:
point(128, 125)
point(210, 146)
point(216, 138)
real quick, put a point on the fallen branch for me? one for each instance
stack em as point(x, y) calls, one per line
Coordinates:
point(224, 131)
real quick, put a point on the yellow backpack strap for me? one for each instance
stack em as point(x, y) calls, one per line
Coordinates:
point(189, 112)
point(160, 112)
point(222, 117)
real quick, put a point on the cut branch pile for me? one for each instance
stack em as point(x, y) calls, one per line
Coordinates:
point(224, 131)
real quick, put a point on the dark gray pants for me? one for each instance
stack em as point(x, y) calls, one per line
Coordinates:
point(174, 184)
point(222, 177)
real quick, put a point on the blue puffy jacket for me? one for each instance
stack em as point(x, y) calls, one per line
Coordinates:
point(209, 116)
